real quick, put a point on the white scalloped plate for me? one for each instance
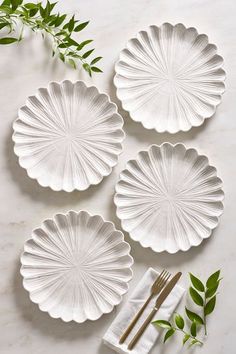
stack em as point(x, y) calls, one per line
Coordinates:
point(169, 198)
point(68, 136)
point(170, 78)
point(76, 266)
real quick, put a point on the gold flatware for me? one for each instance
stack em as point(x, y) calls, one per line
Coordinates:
point(161, 298)
point(156, 288)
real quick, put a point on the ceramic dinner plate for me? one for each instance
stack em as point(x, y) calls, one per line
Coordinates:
point(68, 136)
point(169, 198)
point(169, 78)
point(76, 266)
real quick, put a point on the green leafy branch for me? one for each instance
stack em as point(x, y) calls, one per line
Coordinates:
point(60, 28)
point(202, 295)
point(205, 295)
point(178, 325)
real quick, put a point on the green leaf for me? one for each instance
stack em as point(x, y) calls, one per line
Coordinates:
point(197, 283)
point(162, 324)
point(193, 329)
point(196, 297)
point(63, 45)
point(84, 43)
point(186, 338)
point(86, 54)
point(193, 316)
point(42, 11)
point(5, 9)
point(31, 5)
point(8, 40)
point(47, 10)
point(52, 5)
point(169, 334)
point(194, 341)
point(71, 42)
point(72, 63)
point(52, 20)
point(15, 4)
point(74, 55)
point(62, 56)
point(5, 24)
point(211, 291)
point(87, 68)
point(66, 25)
point(60, 20)
point(95, 69)
point(209, 308)
point(95, 60)
point(33, 12)
point(6, 2)
point(81, 26)
point(71, 24)
point(61, 33)
point(213, 279)
point(179, 321)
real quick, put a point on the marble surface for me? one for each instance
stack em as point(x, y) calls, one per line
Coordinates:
point(24, 204)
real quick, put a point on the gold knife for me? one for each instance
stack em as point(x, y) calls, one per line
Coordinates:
point(165, 292)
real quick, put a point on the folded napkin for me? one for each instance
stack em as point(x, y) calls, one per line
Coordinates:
point(138, 297)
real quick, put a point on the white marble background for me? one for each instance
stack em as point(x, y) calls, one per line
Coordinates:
point(24, 204)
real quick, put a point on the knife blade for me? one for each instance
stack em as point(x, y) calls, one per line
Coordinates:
point(167, 290)
point(162, 297)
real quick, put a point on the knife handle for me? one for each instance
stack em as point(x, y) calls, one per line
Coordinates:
point(134, 320)
point(142, 329)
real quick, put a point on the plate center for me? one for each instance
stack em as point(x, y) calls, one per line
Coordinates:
point(169, 200)
point(70, 136)
point(169, 84)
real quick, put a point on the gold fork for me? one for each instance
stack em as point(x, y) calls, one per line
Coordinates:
point(157, 286)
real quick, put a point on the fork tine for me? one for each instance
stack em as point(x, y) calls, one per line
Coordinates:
point(159, 278)
point(161, 274)
point(168, 277)
point(164, 279)
point(159, 281)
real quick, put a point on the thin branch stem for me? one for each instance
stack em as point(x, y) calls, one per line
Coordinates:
point(190, 336)
point(204, 316)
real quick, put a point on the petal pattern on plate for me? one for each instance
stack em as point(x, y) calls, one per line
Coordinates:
point(170, 78)
point(68, 136)
point(76, 266)
point(169, 198)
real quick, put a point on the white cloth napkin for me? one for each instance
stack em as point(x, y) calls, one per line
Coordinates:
point(138, 297)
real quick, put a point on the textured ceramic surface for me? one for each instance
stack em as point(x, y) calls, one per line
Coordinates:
point(170, 78)
point(68, 136)
point(76, 266)
point(169, 198)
